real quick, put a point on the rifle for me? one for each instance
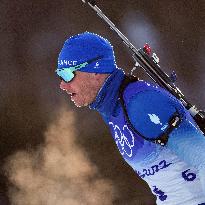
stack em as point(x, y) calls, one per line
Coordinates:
point(149, 62)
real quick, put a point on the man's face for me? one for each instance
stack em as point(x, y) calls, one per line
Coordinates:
point(84, 87)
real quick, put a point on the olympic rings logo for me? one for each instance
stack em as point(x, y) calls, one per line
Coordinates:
point(124, 143)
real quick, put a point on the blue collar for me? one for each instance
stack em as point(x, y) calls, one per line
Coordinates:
point(108, 95)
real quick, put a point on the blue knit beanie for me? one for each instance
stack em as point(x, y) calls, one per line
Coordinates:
point(85, 47)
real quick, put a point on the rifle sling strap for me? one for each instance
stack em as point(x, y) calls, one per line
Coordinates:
point(174, 121)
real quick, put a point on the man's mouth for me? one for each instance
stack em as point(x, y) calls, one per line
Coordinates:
point(71, 94)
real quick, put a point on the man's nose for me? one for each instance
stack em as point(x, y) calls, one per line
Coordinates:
point(64, 85)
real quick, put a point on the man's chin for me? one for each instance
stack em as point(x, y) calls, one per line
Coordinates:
point(77, 104)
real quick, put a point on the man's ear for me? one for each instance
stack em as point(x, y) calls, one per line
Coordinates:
point(100, 76)
point(97, 75)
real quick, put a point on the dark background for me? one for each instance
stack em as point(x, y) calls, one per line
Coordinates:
point(31, 36)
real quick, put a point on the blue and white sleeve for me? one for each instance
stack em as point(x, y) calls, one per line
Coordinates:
point(149, 111)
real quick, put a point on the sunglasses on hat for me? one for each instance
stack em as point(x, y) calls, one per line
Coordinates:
point(67, 74)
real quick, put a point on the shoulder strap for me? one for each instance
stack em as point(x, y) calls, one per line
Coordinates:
point(127, 80)
point(174, 121)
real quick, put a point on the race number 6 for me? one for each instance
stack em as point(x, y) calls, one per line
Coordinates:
point(188, 176)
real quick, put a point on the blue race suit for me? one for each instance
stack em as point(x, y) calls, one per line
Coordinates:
point(175, 172)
